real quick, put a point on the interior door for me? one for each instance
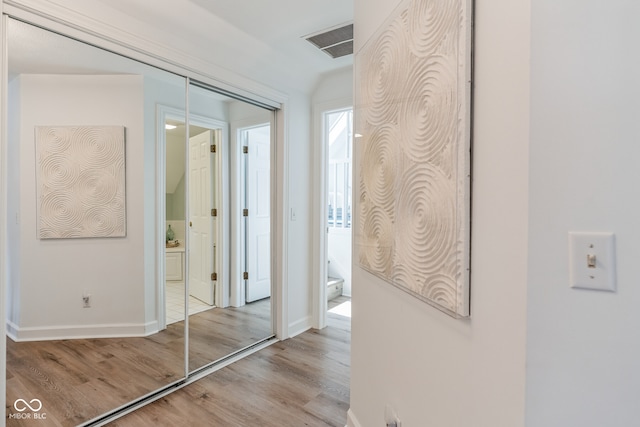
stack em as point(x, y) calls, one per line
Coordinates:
point(258, 283)
point(201, 230)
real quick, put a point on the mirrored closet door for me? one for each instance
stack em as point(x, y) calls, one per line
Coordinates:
point(227, 253)
point(140, 253)
point(87, 304)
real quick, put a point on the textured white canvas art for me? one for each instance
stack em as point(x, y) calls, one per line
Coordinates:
point(80, 181)
point(413, 152)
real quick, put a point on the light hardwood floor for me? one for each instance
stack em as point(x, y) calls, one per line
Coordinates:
point(78, 380)
point(233, 329)
point(303, 381)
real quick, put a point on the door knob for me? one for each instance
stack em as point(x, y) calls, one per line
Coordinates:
point(190, 224)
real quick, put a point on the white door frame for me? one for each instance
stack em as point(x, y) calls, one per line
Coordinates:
point(222, 176)
point(320, 254)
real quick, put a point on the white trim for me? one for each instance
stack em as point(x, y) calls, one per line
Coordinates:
point(236, 293)
point(320, 256)
point(45, 333)
point(300, 326)
point(279, 209)
point(186, 234)
point(352, 421)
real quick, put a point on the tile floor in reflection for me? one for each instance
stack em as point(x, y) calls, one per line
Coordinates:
point(175, 303)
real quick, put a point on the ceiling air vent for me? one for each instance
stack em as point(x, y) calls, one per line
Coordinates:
point(335, 42)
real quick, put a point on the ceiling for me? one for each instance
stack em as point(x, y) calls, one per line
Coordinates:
point(262, 39)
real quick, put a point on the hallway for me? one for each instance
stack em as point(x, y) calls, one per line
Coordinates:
point(303, 381)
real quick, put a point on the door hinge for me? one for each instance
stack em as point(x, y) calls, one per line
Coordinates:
point(245, 149)
point(214, 276)
point(214, 212)
point(245, 275)
point(245, 212)
point(213, 148)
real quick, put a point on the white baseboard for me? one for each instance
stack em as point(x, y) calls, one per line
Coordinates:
point(302, 325)
point(151, 328)
point(48, 333)
point(352, 421)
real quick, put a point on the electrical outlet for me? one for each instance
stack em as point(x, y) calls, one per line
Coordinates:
point(86, 301)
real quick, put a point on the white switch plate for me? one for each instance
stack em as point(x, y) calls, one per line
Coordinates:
point(601, 277)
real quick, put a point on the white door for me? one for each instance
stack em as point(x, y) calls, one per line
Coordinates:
point(201, 230)
point(258, 191)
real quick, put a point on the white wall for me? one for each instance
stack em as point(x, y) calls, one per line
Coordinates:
point(300, 199)
point(54, 274)
point(12, 261)
point(334, 86)
point(583, 346)
point(433, 369)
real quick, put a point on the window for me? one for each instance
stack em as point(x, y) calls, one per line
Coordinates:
point(338, 133)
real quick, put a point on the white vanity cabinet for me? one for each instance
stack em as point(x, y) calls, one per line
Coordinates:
point(174, 266)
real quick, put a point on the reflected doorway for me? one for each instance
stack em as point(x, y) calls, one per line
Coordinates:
point(221, 214)
point(202, 243)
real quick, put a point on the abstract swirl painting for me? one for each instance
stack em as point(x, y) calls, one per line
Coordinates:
point(412, 144)
point(81, 181)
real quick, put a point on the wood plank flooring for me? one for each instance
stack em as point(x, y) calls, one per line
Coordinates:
point(303, 381)
point(78, 380)
point(252, 323)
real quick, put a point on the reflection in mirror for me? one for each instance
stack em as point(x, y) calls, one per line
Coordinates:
point(87, 328)
point(175, 164)
point(228, 213)
point(176, 225)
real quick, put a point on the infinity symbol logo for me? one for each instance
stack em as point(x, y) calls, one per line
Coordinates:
point(24, 405)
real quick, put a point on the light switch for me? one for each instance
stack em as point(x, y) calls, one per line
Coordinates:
point(592, 261)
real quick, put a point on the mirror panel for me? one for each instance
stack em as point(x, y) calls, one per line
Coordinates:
point(229, 310)
point(87, 308)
